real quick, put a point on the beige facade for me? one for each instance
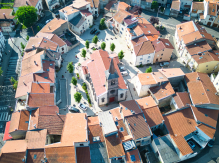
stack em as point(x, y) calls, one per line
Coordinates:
point(208, 67)
point(163, 55)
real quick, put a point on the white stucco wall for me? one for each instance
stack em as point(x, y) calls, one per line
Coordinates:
point(99, 99)
point(216, 82)
point(124, 92)
point(144, 59)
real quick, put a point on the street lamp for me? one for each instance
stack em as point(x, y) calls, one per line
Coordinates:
point(158, 10)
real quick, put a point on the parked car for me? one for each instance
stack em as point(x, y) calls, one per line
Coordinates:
point(48, 21)
point(191, 144)
point(73, 109)
point(93, 31)
point(82, 106)
point(122, 69)
point(97, 32)
point(124, 73)
point(211, 143)
point(164, 64)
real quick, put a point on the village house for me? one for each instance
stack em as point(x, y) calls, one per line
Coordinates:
point(180, 100)
point(197, 9)
point(175, 8)
point(52, 4)
point(215, 80)
point(7, 20)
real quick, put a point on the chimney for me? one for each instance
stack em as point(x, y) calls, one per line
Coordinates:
point(35, 63)
point(57, 113)
point(100, 124)
point(4, 15)
point(198, 78)
point(49, 28)
point(120, 110)
point(33, 47)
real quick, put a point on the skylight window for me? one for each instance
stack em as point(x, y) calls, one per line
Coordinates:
point(132, 158)
point(116, 123)
point(50, 64)
point(47, 69)
point(46, 77)
point(34, 157)
point(126, 108)
point(121, 129)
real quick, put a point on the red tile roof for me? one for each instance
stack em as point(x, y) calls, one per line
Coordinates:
point(41, 99)
point(53, 123)
point(134, 152)
point(138, 127)
point(180, 122)
point(36, 139)
point(139, 40)
point(95, 130)
point(182, 99)
point(48, 66)
point(144, 48)
point(109, 5)
point(86, 13)
point(123, 6)
point(83, 155)
point(116, 114)
point(207, 130)
point(93, 120)
point(120, 125)
point(33, 122)
point(60, 154)
point(35, 155)
point(45, 77)
point(206, 116)
point(48, 110)
point(14, 146)
point(171, 72)
point(146, 79)
point(40, 88)
point(120, 15)
point(12, 157)
point(146, 102)
point(130, 107)
point(7, 136)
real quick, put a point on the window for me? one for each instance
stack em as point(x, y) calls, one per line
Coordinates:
point(96, 139)
point(141, 58)
point(149, 57)
point(161, 54)
point(122, 28)
point(47, 69)
point(148, 61)
point(120, 32)
point(113, 82)
point(160, 58)
point(81, 145)
point(112, 91)
point(116, 123)
point(121, 129)
point(216, 83)
point(206, 65)
point(62, 49)
point(121, 95)
point(103, 99)
point(34, 157)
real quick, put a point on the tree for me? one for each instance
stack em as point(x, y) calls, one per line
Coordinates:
point(103, 45)
point(95, 39)
point(154, 5)
point(77, 97)
point(84, 86)
point(27, 38)
point(154, 20)
point(14, 82)
point(70, 67)
point(112, 47)
point(38, 28)
point(102, 21)
point(22, 46)
point(149, 69)
point(87, 44)
point(83, 53)
point(27, 15)
point(121, 54)
point(74, 81)
point(1, 71)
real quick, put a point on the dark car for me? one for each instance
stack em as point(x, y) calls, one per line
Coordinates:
point(73, 109)
point(97, 32)
point(93, 31)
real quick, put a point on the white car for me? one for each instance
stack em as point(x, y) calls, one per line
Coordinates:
point(124, 73)
point(48, 21)
point(82, 106)
point(122, 68)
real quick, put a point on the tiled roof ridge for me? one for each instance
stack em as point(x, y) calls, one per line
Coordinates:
point(205, 90)
point(48, 40)
point(180, 98)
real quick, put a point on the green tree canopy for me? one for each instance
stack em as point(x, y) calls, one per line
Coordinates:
point(103, 45)
point(77, 97)
point(38, 28)
point(14, 82)
point(102, 21)
point(84, 86)
point(83, 53)
point(70, 67)
point(74, 81)
point(149, 69)
point(121, 54)
point(22, 46)
point(27, 15)
point(27, 38)
point(112, 47)
point(95, 39)
point(1, 71)
point(154, 5)
point(87, 44)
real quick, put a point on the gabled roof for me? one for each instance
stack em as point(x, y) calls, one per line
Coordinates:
point(172, 72)
point(109, 5)
point(123, 6)
point(35, 155)
point(159, 77)
point(143, 48)
point(7, 136)
point(205, 57)
point(201, 89)
point(53, 123)
point(130, 107)
point(133, 153)
point(12, 157)
point(175, 5)
point(122, 129)
point(36, 139)
point(191, 37)
point(146, 79)
point(14, 146)
point(120, 15)
point(182, 99)
point(138, 127)
point(40, 88)
point(207, 130)
point(162, 91)
point(180, 122)
point(185, 28)
point(139, 40)
point(116, 114)
point(60, 154)
point(53, 25)
point(6, 14)
point(79, 4)
point(198, 47)
point(93, 121)
point(19, 3)
point(114, 146)
point(72, 132)
point(146, 102)
point(94, 131)
point(212, 9)
point(206, 116)
point(182, 145)
point(68, 10)
point(83, 155)
point(44, 77)
point(197, 6)
point(41, 99)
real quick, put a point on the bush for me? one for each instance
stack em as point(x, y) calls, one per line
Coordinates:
point(84, 86)
point(91, 26)
point(94, 49)
point(27, 38)
point(78, 75)
point(22, 46)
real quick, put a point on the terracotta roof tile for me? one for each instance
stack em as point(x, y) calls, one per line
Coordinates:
point(34, 117)
point(80, 4)
point(14, 146)
point(83, 155)
point(201, 91)
point(120, 125)
point(123, 6)
point(134, 152)
point(185, 28)
point(147, 28)
point(191, 37)
point(172, 72)
point(207, 57)
point(7, 136)
point(60, 154)
point(15, 119)
point(198, 47)
point(139, 40)
point(40, 88)
point(114, 146)
point(12, 157)
point(72, 131)
point(93, 120)
point(120, 15)
point(68, 10)
point(116, 114)
point(137, 30)
point(35, 155)
point(53, 123)
point(182, 99)
point(129, 106)
point(180, 122)
point(162, 91)
point(158, 45)
point(7, 14)
point(212, 9)
point(48, 66)
point(207, 36)
point(53, 25)
point(146, 102)
point(48, 110)
point(138, 127)
point(197, 6)
point(23, 89)
point(41, 99)
point(44, 77)
point(36, 139)
point(207, 130)
point(109, 5)
point(30, 53)
point(159, 77)
point(152, 37)
point(96, 3)
point(206, 116)
point(24, 120)
point(95, 130)
point(175, 5)
point(144, 48)
point(182, 145)
point(146, 79)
